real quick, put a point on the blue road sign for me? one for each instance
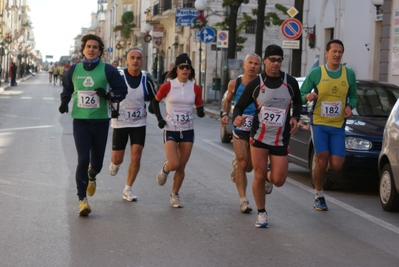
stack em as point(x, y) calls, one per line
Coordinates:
point(109, 49)
point(207, 35)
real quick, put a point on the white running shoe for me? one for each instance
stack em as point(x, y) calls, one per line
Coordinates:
point(113, 169)
point(128, 195)
point(175, 201)
point(262, 220)
point(268, 187)
point(233, 171)
point(162, 176)
point(244, 206)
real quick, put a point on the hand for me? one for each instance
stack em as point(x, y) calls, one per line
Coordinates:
point(294, 126)
point(348, 112)
point(239, 121)
point(224, 120)
point(102, 93)
point(200, 112)
point(161, 123)
point(311, 96)
point(63, 107)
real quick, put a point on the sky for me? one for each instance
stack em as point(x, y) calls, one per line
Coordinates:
point(56, 23)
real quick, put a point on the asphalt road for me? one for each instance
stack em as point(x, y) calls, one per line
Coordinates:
point(39, 225)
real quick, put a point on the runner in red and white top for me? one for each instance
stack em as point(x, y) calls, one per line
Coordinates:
point(180, 95)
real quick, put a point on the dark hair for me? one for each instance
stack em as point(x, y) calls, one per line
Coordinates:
point(95, 38)
point(173, 73)
point(334, 41)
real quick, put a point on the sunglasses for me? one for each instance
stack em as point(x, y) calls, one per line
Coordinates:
point(272, 59)
point(187, 67)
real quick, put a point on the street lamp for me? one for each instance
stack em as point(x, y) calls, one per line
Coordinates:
point(201, 6)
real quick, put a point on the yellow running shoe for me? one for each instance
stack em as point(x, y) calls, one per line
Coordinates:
point(84, 207)
point(91, 187)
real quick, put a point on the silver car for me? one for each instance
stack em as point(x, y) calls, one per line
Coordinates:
point(388, 163)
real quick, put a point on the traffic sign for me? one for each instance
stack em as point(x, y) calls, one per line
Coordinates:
point(222, 40)
point(207, 35)
point(291, 28)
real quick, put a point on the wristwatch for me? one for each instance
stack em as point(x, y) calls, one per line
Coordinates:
point(223, 114)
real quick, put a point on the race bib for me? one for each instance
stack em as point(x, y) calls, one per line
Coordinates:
point(247, 124)
point(133, 113)
point(182, 117)
point(272, 116)
point(88, 99)
point(331, 109)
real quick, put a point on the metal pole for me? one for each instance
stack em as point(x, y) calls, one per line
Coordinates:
point(200, 59)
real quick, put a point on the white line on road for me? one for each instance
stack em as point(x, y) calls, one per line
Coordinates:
point(337, 202)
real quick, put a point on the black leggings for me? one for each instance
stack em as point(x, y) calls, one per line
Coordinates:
point(90, 141)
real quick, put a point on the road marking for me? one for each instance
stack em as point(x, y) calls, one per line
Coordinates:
point(343, 205)
point(26, 97)
point(337, 202)
point(48, 98)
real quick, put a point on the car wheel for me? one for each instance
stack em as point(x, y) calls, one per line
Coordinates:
point(224, 136)
point(389, 197)
point(328, 184)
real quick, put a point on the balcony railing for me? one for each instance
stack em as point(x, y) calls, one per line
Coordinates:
point(165, 5)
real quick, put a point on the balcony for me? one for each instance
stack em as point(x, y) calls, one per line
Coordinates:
point(165, 9)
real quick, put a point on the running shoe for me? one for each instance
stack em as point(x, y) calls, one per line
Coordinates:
point(91, 187)
point(175, 201)
point(128, 195)
point(233, 171)
point(162, 175)
point(244, 206)
point(84, 207)
point(320, 204)
point(262, 220)
point(113, 169)
point(268, 187)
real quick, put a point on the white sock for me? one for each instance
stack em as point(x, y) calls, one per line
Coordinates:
point(319, 194)
point(127, 187)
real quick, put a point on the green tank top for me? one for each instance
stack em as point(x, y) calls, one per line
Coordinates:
point(86, 104)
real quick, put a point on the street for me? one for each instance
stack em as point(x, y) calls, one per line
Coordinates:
point(40, 225)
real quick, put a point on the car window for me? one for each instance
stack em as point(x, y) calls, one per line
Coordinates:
point(375, 100)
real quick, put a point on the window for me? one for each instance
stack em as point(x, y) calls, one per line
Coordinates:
point(251, 27)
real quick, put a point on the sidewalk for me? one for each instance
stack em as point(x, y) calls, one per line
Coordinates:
point(5, 85)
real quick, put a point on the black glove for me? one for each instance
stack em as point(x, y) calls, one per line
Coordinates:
point(161, 123)
point(200, 112)
point(150, 108)
point(102, 93)
point(64, 106)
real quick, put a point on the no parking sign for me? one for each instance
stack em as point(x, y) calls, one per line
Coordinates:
point(222, 40)
point(291, 28)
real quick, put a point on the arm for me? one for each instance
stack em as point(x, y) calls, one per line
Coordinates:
point(150, 94)
point(296, 105)
point(67, 91)
point(163, 91)
point(248, 96)
point(117, 83)
point(227, 102)
point(312, 79)
point(352, 93)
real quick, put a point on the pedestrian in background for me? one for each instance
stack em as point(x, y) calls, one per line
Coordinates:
point(334, 97)
point(180, 95)
point(85, 84)
point(131, 121)
point(272, 91)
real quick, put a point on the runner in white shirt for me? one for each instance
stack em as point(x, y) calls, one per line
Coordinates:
point(180, 95)
point(50, 72)
point(132, 120)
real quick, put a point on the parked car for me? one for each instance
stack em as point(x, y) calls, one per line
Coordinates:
point(388, 163)
point(363, 135)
